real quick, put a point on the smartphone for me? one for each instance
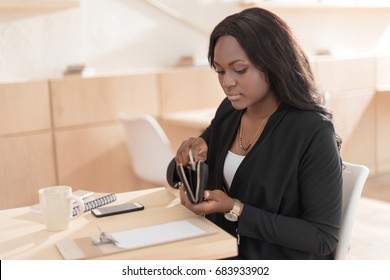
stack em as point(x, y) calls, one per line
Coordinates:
point(117, 209)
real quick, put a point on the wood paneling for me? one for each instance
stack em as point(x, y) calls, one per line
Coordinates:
point(354, 120)
point(88, 152)
point(90, 144)
point(189, 88)
point(96, 159)
point(26, 164)
point(177, 134)
point(26, 147)
point(338, 75)
point(350, 87)
point(24, 107)
point(383, 131)
point(383, 71)
point(78, 101)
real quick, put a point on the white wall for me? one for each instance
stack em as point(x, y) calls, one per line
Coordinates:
point(123, 35)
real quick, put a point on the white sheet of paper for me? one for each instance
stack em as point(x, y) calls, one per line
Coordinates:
point(152, 235)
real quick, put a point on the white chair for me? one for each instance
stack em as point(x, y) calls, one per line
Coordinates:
point(354, 177)
point(149, 147)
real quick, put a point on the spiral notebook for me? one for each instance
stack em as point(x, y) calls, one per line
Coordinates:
point(98, 202)
point(92, 204)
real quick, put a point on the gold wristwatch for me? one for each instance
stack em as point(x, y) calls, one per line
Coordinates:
point(234, 214)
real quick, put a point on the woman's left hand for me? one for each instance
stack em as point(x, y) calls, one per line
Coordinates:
point(214, 202)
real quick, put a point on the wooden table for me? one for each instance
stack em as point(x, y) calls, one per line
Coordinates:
point(24, 236)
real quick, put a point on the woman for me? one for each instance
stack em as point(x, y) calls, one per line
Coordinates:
point(275, 173)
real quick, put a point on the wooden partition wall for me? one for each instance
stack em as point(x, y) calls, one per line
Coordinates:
point(360, 110)
point(26, 142)
point(350, 84)
point(65, 132)
point(382, 124)
point(89, 142)
point(189, 88)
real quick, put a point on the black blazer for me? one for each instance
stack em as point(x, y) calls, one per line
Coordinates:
point(290, 183)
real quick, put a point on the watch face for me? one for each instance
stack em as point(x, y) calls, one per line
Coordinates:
point(231, 217)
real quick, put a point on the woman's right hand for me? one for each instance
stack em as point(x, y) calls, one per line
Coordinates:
point(198, 148)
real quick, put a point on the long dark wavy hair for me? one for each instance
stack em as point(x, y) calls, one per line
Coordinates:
point(273, 49)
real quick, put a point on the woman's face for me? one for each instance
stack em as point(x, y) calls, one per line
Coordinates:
point(241, 81)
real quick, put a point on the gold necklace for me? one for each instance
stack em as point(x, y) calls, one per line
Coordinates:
point(254, 137)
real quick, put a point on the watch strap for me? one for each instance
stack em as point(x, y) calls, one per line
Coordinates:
point(236, 210)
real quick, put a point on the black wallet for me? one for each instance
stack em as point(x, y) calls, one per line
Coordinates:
point(194, 180)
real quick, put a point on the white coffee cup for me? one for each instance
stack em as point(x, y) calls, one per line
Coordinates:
point(56, 204)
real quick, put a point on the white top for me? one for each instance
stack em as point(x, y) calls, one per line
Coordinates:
point(232, 162)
